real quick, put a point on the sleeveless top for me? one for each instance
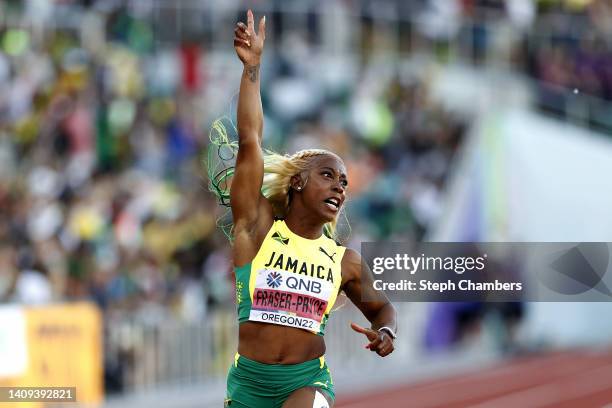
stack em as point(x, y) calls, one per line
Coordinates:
point(292, 281)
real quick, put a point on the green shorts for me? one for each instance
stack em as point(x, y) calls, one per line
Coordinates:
point(256, 385)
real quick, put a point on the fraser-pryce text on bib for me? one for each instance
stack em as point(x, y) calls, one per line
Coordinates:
point(289, 299)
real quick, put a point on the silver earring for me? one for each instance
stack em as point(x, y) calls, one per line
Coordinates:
point(299, 188)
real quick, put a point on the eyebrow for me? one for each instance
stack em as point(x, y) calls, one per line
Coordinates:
point(333, 170)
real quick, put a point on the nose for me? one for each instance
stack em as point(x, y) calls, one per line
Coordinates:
point(338, 187)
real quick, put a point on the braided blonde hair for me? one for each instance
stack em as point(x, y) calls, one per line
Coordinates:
point(278, 171)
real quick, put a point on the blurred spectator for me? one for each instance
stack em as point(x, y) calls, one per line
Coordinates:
point(32, 286)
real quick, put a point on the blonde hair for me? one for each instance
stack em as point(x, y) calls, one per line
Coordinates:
point(278, 171)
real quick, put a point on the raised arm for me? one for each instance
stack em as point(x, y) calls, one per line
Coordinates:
point(248, 204)
point(380, 312)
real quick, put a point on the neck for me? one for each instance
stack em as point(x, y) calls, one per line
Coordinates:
point(303, 226)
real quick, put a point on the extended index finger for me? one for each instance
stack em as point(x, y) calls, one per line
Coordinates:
point(250, 21)
point(370, 334)
point(358, 328)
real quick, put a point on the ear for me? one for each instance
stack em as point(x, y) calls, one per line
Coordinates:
point(296, 182)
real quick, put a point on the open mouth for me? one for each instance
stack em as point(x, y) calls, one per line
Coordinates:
point(333, 204)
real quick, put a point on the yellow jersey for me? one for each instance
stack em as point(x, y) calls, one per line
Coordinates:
point(292, 281)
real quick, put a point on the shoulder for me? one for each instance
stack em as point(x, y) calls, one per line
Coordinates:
point(351, 256)
point(351, 264)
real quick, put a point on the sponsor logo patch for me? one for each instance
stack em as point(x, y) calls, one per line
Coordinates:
point(274, 279)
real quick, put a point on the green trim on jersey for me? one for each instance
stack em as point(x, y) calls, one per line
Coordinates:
point(243, 297)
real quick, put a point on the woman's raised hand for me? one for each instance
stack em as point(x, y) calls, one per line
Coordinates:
point(248, 43)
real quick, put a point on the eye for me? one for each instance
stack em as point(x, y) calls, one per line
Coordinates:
point(327, 174)
point(344, 183)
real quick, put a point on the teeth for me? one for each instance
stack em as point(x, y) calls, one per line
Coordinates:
point(333, 207)
point(333, 201)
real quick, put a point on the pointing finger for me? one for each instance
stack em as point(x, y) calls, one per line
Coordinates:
point(359, 329)
point(250, 21)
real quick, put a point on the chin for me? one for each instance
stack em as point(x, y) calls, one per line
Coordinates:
point(327, 217)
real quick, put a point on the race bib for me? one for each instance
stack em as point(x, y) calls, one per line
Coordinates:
point(290, 299)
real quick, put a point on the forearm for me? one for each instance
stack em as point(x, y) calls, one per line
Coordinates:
point(250, 112)
point(386, 317)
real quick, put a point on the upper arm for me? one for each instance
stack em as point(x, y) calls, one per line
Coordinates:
point(357, 285)
point(249, 206)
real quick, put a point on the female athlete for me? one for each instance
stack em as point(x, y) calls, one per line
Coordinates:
point(289, 269)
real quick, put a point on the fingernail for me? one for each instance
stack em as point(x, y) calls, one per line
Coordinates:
point(264, 19)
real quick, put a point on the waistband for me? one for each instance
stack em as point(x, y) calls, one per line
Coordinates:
point(287, 369)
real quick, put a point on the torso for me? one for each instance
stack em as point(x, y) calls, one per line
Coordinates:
point(274, 344)
point(300, 269)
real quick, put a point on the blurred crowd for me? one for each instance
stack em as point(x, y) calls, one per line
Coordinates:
point(575, 64)
point(103, 193)
point(578, 54)
point(564, 45)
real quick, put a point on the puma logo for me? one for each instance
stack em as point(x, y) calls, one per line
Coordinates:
point(328, 255)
